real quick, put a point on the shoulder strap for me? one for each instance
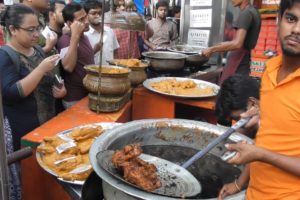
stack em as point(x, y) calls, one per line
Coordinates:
point(13, 56)
point(16, 58)
point(40, 50)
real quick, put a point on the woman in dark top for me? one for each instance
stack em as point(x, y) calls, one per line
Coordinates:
point(28, 90)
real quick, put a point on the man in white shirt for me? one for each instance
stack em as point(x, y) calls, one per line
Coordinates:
point(110, 42)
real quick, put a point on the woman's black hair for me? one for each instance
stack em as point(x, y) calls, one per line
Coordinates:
point(286, 4)
point(14, 15)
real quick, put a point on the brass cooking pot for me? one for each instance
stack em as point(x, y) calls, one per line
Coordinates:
point(137, 75)
point(114, 80)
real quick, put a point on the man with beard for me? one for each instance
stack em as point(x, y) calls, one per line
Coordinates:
point(55, 18)
point(160, 32)
point(275, 158)
point(110, 42)
point(247, 30)
point(76, 51)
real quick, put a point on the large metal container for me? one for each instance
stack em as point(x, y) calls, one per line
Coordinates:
point(164, 60)
point(175, 140)
point(110, 83)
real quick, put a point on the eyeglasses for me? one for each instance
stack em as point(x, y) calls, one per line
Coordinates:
point(32, 30)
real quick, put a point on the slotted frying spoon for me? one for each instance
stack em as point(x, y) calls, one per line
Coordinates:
point(176, 180)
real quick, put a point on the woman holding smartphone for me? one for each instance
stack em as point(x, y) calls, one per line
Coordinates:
point(28, 89)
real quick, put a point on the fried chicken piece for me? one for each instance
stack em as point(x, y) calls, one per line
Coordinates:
point(86, 133)
point(129, 152)
point(135, 170)
point(141, 174)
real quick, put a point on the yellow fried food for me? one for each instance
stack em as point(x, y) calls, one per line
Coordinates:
point(54, 141)
point(186, 88)
point(75, 176)
point(129, 62)
point(51, 160)
point(84, 145)
point(86, 133)
point(86, 159)
point(72, 150)
point(69, 165)
point(64, 155)
point(108, 70)
point(45, 149)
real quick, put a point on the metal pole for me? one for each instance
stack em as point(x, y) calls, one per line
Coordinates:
point(3, 163)
point(100, 60)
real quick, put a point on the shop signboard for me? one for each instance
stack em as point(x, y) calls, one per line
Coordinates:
point(201, 2)
point(198, 37)
point(202, 24)
point(201, 18)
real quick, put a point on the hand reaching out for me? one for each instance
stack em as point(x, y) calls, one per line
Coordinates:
point(48, 63)
point(206, 52)
point(228, 189)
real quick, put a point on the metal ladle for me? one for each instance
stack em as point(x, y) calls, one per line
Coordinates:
point(176, 180)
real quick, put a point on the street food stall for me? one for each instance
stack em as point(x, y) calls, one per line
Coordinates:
point(148, 108)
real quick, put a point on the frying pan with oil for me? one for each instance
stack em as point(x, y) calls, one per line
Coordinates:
point(176, 180)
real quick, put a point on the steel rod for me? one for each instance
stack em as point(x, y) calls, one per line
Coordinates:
point(100, 59)
point(215, 142)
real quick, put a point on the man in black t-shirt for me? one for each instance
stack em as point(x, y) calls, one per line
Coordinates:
point(247, 30)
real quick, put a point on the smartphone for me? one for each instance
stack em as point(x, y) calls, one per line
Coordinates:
point(58, 81)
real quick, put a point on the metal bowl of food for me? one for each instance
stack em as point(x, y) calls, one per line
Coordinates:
point(175, 140)
point(194, 57)
point(164, 60)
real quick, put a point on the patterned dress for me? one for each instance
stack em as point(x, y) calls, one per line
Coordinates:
point(14, 169)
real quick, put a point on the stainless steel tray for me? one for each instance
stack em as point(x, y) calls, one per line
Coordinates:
point(39, 156)
point(200, 84)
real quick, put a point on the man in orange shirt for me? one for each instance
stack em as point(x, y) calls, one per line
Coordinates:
point(275, 159)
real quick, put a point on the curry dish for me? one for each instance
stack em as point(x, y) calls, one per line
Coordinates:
point(135, 170)
point(129, 62)
point(182, 88)
point(67, 155)
point(109, 70)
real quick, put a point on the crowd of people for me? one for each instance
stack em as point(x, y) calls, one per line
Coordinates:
point(41, 41)
point(44, 41)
